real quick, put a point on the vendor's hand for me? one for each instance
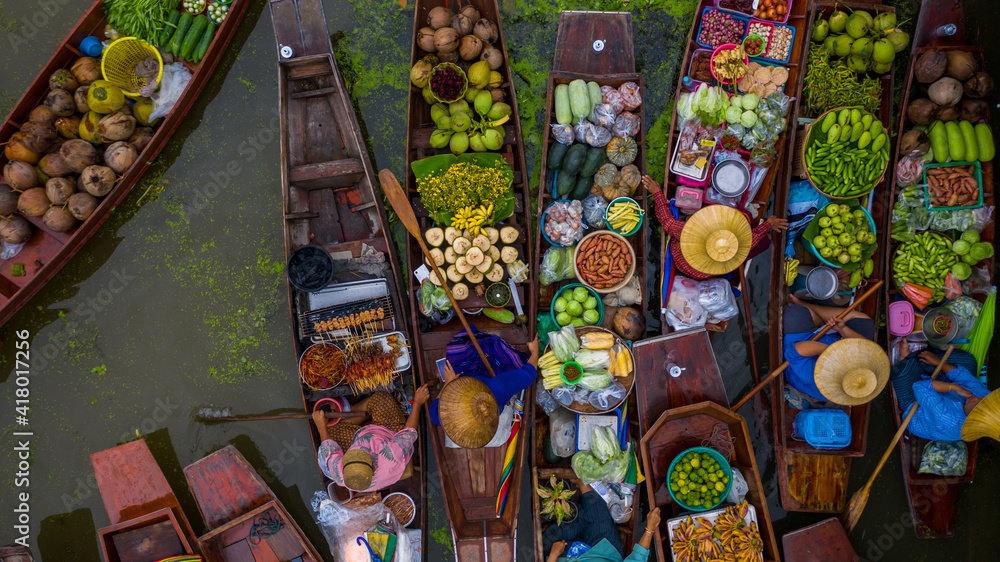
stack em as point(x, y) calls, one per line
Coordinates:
point(449, 372)
point(778, 224)
point(421, 396)
point(837, 323)
point(929, 358)
point(653, 519)
point(557, 550)
point(651, 185)
point(319, 418)
point(533, 348)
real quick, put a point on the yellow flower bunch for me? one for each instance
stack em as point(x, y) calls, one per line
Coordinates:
point(464, 184)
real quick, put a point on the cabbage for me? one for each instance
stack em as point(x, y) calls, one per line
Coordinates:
point(750, 101)
point(593, 359)
point(961, 271)
point(733, 115)
point(748, 118)
point(737, 102)
point(564, 343)
point(616, 468)
point(604, 443)
point(981, 250)
point(961, 247)
point(710, 104)
point(595, 380)
point(684, 106)
point(970, 236)
point(587, 468)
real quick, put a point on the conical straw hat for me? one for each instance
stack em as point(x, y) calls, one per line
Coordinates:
point(468, 412)
point(852, 371)
point(984, 419)
point(716, 240)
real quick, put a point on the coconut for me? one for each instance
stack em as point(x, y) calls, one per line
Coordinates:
point(470, 12)
point(104, 97)
point(462, 24)
point(914, 140)
point(8, 200)
point(899, 39)
point(81, 205)
point(974, 111)
point(820, 31)
point(838, 22)
point(492, 56)
point(68, 127)
point(945, 91)
point(86, 70)
point(862, 47)
point(857, 25)
point(629, 324)
point(98, 180)
point(883, 52)
point(425, 39)
point(979, 86)
point(88, 128)
point(61, 103)
point(33, 202)
point(58, 219)
point(63, 79)
point(420, 74)
point(79, 154)
point(842, 45)
point(486, 31)
point(53, 165)
point(120, 156)
point(885, 21)
point(20, 175)
point(857, 63)
point(140, 138)
point(930, 66)
point(446, 40)
point(55, 146)
point(440, 17)
point(42, 114)
point(949, 113)
point(498, 95)
point(80, 98)
point(42, 176)
point(961, 65)
point(14, 229)
point(15, 150)
point(38, 137)
point(921, 111)
point(116, 126)
point(470, 47)
point(59, 190)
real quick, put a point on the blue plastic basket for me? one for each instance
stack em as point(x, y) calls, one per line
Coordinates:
point(545, 214)
point(824, 428)
point(789, 57)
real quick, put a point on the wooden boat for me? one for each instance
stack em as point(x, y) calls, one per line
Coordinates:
point(234, 501)
point(470, 479)
point(758, 204)
point(933, 499)
point(825, 541)
point(47, 251)
point(329, 200)
point(810, 479)
point(15, 553)
point(613, 65)
point(147, 522)
point(686, 411)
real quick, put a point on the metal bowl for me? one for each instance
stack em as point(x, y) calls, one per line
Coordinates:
point(731, 191)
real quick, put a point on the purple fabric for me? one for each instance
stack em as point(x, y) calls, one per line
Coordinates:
point(464, 359)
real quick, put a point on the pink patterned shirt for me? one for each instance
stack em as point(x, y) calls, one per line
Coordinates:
point(390, 452)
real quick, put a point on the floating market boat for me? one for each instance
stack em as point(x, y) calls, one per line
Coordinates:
point(682, 403)
point(811, 479)
point(15, 553)
point(47, 250)
point(147, 522)
point(330, 202)
point(610, 63)
point(825, 541)
point(683, 181)
point(471, 478)
point(246, 520)
point(933, 499)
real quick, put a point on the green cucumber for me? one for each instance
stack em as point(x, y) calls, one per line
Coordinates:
point(183, 23)
point(192, 37)
point(984, 139)
point(206, 40)
point(168, 28)
point(501, 315)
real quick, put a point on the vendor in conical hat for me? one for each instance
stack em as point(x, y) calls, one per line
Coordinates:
point(954, 406)
point(469, 405)
point(715, 240)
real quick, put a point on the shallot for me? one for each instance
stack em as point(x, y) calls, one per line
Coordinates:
point(718, 28)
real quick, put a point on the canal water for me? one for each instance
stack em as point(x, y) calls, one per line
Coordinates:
point(177, 303)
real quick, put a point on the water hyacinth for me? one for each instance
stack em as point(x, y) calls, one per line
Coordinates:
point(464, 184)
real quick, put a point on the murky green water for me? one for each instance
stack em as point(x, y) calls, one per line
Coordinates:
point(178, 302)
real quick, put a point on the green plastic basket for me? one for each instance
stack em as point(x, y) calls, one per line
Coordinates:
point(642, 216)
point(813, 229)
point(977, 173)
point(591, 292)
point(726, 469)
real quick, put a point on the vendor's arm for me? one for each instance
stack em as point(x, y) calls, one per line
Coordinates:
point(840, 326)
point(640, 552)
point(810, 348)
point(663, 214)
point(533, 348)
point(330, 456)
point(557, 550)
point(942, 386)
point(420, 398)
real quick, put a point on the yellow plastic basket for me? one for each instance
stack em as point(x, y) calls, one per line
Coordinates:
point(119, 62)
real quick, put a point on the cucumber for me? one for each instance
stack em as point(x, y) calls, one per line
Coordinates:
point(971, 144)
point(939, 142)
point(192, 37)
point(183, 23)
point(984, 138)
point(956, 144)
point(595, 94)
point(579, 99)
point(564, 115)
point(556, 155)
point(168, 29)
point(206, 40)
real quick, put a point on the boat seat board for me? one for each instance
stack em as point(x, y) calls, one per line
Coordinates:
point(148, 544)
point(311, 67)
point(130, 482)
point(815, 482)
point(237, 546)
point(225, 486)
point(825, 541)
point(333, 173)
point(577, 33)
point(285, 18)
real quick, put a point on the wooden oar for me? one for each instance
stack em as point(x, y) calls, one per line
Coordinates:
point(781, 368)
point(401, 204)
point(860, 498)
point(294, 416)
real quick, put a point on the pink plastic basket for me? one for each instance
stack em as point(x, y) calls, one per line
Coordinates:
point(720, 48)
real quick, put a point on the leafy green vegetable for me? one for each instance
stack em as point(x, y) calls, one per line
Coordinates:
point(604, 443)
point(593, 359)
point(587, 467)
point(564, 343)
point(595, 380)
point(980, 251)
point(970, 236)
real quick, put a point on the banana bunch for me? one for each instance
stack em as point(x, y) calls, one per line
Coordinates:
point(472, 218)
point(791, 271)
point(597, 340)
point(549, 367)
point(621, 361)
point(624, 216)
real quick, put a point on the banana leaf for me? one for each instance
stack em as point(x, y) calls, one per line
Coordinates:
point(440, 163)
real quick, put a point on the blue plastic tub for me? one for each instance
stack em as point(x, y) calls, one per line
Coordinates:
point(545, 215)
point(723, 463)
point(744, 19)
point(824, 428)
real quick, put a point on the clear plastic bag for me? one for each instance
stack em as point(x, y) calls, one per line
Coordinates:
point(562, 429)
point(544, 399)
point(433, 298)
point(594, 207)
point(630, 95)
point(779, 102)
point(739, 489)
point(945, 458)
point(715, 295)
point(564, 222)
point(607, 397)
point(626, 125)
point(626, 296)
point(966, 311)
point(598, 136)
point(582, 130)
point(978, 282)
point(562, 133)
point(175, 79)
point(604, 115)
point(343, 525)
point(984, 216)
point(683, 309)
point(959, 219)
point(557, 265)
point(909, 169)
point(615, 100)
point(563, 394)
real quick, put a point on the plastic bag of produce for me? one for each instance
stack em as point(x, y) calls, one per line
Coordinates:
point(175, 80)
point(683, 309)
point(562, 133)
point(909, 169)
point(557, 265)
point(564, 343)
point(630, 95)
point(604, 443)
point(604, 115)
point(966, 311)
point(626, 296)
point(615, 100)
point(595, 380)
point(945, 458)
point(608, 397)
point(739, 489)
point(626, 125)
point(715, 295)
point(593, 212)
point(587, 467)
point(959, 219)
point(978, 282)
point(564, 224)
point(562, 428)
point(544, 398)
point(984, 216)
point(617, 468)
point(597, 136)
point(952, 287)
point(563, 394)
point(779, 102)
point(592, 359)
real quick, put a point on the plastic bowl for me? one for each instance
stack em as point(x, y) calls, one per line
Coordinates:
point(763, 48)
point(461, 73)
point(562, 372)
point(545, 215)
point(720, 48)
point(591, 292)
point(726, 469)
point(813, 229)
point(642, 216)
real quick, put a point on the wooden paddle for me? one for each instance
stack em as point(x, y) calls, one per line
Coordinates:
point(859, 500)
point(293, 416)
point(781, 368)
point(401, 204)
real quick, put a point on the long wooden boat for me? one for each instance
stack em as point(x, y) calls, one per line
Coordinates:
point(679, 412)
point(810, 479)
point(470, 478)
point(47, 251)
point(15, 553)
point(576, 58)
point(147, 522)
point(758, 204)
point(234, 500)
point(329, 200)
point(933, 499)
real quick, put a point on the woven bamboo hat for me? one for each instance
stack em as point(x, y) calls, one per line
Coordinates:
point(716, 239)
point(984, 419)
point(358, 470)
point(852, 371)
point(468, 412)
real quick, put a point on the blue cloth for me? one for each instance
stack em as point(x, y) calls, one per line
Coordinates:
point(503, 386)
point(605, 552)
point(800, 373)
point(803, 204)
point(940, 415)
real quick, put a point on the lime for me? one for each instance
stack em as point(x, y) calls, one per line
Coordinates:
point(695, 462)
point(719, 486)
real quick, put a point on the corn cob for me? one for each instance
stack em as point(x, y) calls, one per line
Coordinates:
point(597, 340)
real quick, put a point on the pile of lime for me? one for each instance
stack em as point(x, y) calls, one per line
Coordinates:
point(698, 481)
point(576, 306)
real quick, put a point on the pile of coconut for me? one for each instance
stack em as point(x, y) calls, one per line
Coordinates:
point(70, 152)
